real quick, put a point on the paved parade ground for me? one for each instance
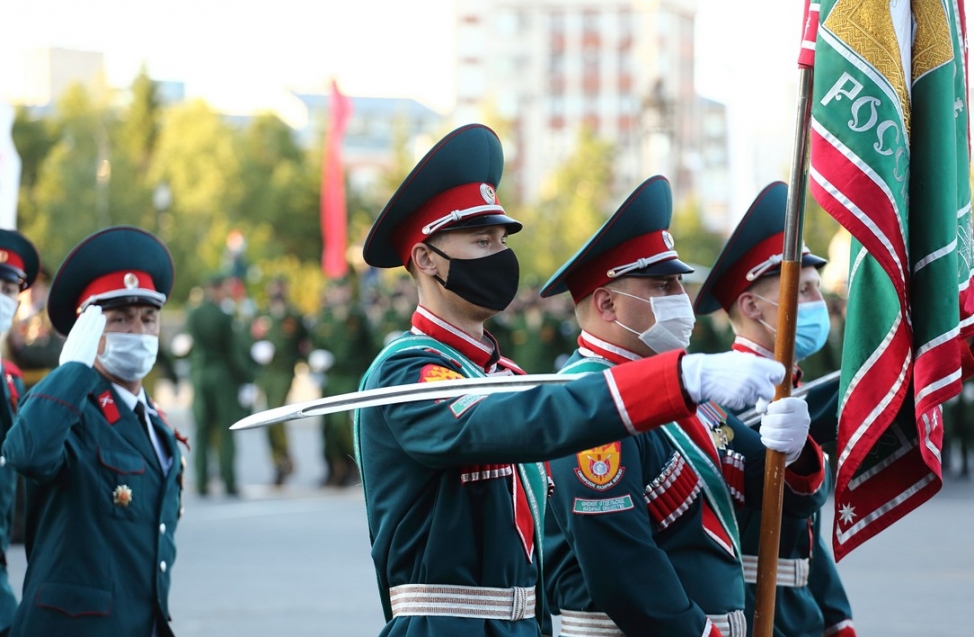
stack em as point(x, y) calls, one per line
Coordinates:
point(294, 561)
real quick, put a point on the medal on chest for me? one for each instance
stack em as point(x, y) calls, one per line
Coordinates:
point(715, 420)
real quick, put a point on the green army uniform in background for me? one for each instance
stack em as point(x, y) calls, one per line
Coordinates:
point(219, 369)
point(283, 326)
point(342, 329)
point(537, 339)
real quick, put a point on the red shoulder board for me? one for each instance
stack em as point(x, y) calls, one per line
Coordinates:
point(11, 368)
point(106, 402)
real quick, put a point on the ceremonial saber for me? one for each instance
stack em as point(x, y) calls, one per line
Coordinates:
point(410, 393)
point(752, 417)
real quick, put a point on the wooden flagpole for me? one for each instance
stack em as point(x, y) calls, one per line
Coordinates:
point(784, 352)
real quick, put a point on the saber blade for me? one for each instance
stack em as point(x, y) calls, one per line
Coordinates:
point(414, 392)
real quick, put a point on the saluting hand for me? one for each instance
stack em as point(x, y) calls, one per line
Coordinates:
point(81, 346)
point(732, 379)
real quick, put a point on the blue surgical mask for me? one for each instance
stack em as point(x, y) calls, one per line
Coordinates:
point(811, 327)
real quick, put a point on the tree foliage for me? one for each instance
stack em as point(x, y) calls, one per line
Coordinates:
point(90, 164)
point(574, 203)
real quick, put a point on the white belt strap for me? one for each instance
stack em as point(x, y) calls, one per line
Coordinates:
point(792, 573)
point(733, 624)
point(474, 602)
point(576, 623)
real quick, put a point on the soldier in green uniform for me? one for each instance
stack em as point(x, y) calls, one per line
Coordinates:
point(19, 264)
point(640, 536)
point(219, 370)
point(282, 340)
point(810, 599)
point(454, 519)
point(104, 473)
point(343, 330)
point(536, 335)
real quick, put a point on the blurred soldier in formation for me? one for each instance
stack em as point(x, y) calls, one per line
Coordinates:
point(220, 370)
point(536, 333)
point(281, 340)
point(342, 330)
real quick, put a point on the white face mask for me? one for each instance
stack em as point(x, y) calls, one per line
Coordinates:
point(8, 307)
point(129, 356)
point(674, 322)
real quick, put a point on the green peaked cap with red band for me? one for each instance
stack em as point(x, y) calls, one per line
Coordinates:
point(635, 241)
point(121, 265)
point(453, 186)
point(753, 251)
point(19, 261)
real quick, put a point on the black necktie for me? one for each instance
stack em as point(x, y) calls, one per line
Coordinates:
point(143, 420)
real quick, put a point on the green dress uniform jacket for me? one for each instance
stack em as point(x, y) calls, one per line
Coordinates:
point(10, 392)
point(347, 335)
point(101, 512)
point(643, 530)
point(345, 332)
point(220, 366)
point(287, 332)
point(445, 506)
point(810, 599)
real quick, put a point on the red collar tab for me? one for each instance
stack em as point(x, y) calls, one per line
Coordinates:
point(608, 351)
point(481, 354)
point(106, 402)
point(466, 201)
point(629, 256)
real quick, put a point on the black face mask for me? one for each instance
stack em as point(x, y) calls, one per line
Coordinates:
point(489, 282)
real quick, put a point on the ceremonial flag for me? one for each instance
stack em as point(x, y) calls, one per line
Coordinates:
point(890, 160)
point(334, 224)
point(10, 166)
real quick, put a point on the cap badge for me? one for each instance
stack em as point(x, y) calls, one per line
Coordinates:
point(122, 495)
point(487, 192)
point(130, 280)
point(668, 240)
point(4, 255)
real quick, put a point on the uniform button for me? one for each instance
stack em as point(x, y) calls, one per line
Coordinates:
point(162, 566)
point(162, 527)
point(3, 461)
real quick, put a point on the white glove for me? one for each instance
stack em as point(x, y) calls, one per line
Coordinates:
point(181, 345)
point(320, 360)
point(262, 352)
point(81, 346)
point(732, 379)
point(246, 395)
point(784, 427)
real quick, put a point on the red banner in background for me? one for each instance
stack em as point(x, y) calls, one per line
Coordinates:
point(334, 231)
